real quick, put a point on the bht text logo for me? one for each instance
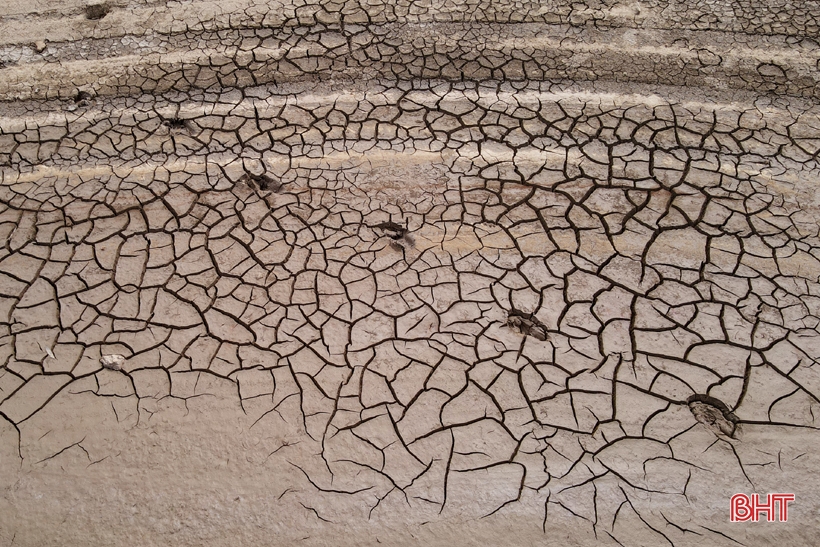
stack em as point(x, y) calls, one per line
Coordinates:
point(745, 508)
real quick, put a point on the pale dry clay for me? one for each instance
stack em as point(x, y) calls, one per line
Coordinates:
point(411, 289)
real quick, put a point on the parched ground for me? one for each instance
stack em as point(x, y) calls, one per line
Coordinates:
point(408, 272)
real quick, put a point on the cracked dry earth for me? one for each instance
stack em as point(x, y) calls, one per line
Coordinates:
point(408, 272)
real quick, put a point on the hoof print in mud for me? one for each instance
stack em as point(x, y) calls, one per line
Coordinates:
point(176, 125)
point(263, 182)
point(714, 414)
point(95, 12)
point(401, 237)
point(527, 324)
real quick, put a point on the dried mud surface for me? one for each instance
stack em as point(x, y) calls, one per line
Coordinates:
point(408, 272)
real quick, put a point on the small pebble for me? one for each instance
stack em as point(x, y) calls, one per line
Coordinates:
point(112, 362)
